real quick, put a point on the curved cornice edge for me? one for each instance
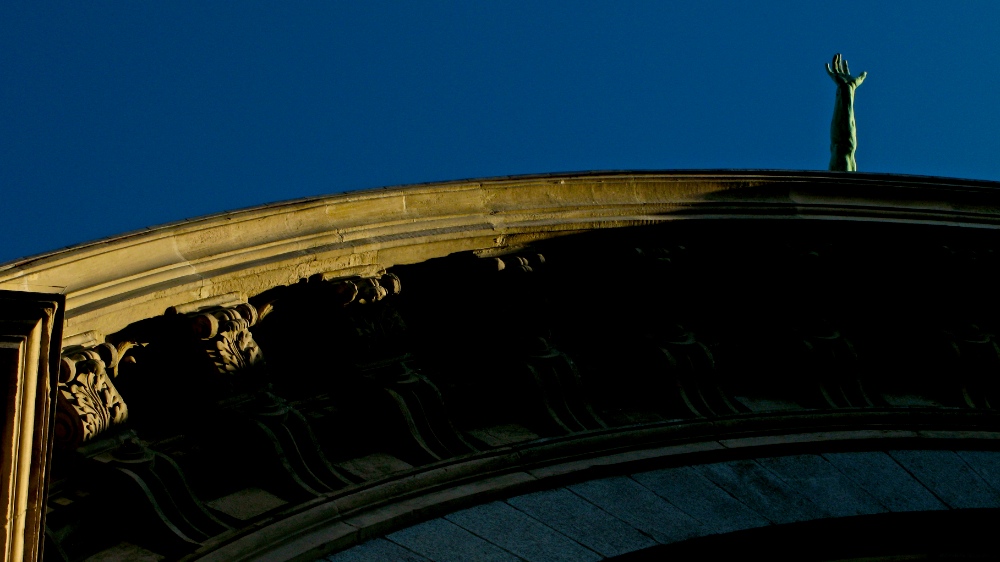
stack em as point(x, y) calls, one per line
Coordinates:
point(111, 283)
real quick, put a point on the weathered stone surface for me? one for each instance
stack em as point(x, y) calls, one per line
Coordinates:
point(582, 521)
point(112, 283)
point(89, 403)
point(247, 504)
point(949, 477)
point(374, 466)
point(30, 334)
point(376, 549)
point(985, 463)
point(882, 477)
point(762, 491)
point(700, 498)
point(596, 513)
point(823, 484)
point(520, 534)
point(473, 387)
point(443, 541)
point(635, 504)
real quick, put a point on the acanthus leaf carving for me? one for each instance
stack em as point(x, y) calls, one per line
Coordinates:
point(227, 340)
point(88, 402)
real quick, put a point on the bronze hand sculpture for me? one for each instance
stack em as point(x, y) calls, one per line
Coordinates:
point(843, 133)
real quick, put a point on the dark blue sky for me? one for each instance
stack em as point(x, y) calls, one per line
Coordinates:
point(119, 115)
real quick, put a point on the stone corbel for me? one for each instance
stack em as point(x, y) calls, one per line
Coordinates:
point(266, 436)
point(88, 402)
point(360, 291)
point(227, 338)
point(519, 262)
point(222, 328)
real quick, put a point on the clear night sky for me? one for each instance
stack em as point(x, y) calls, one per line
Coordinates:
point(119, 115)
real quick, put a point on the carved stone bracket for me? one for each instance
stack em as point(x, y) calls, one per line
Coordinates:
point(360, 291)
point(522, 262)
point(267, 439)
point(226, 338)
point(88, 401)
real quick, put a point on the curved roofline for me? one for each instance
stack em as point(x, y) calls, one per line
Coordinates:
point(113, 282)
point(692, 173)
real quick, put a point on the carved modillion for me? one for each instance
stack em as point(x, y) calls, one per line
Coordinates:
point(225, 333)
point(278, 443)
point(361, 291)
point(88, 401)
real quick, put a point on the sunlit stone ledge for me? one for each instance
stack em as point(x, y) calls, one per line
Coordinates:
point(113, 282)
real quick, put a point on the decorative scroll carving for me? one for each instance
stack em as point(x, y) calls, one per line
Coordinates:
point(88, 401)
point(370, 328)
point(359, 291)
point(524, 263)
point(731, 326)
point(227, 339)
point(266, 438)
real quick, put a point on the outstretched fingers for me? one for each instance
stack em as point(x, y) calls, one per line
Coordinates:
point(840, 72)
point(833, 68)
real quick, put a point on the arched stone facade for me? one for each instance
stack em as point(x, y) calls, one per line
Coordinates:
point(306, 378)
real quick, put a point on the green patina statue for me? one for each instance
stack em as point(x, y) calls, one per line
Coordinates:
point(843, 133)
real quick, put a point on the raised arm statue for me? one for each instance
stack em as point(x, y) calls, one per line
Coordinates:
point(843, 133)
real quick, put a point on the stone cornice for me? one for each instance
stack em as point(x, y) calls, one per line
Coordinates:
point(306, 400)
point(112, 283)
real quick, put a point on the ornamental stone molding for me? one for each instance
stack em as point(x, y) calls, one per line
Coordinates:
point(88, 402)
point(114, 282)
point(362, 374)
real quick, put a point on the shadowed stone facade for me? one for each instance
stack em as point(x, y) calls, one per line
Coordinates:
point(565, 367)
